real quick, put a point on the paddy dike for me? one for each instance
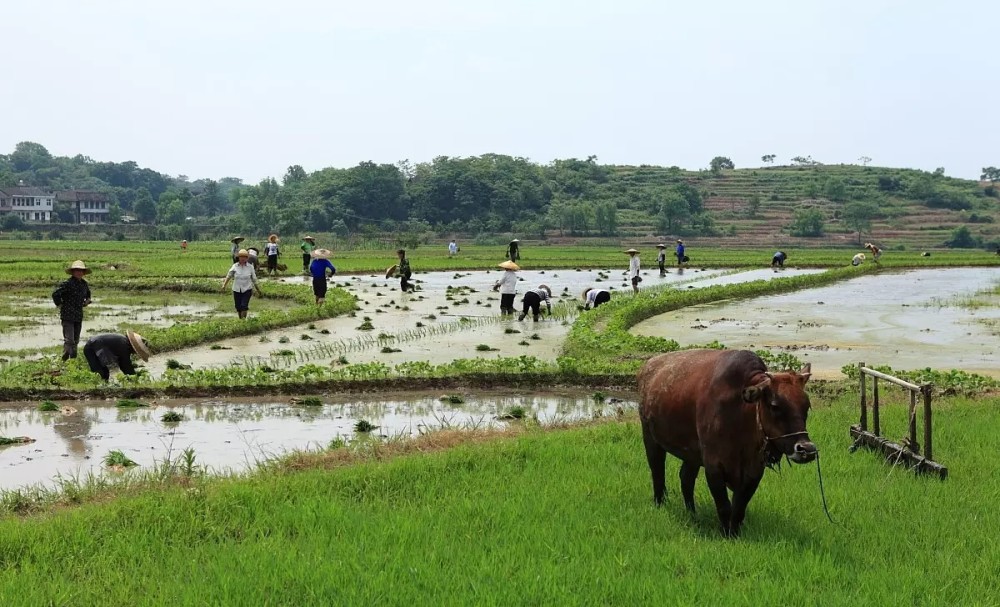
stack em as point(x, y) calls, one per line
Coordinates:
point(235, 434)
point(907, 320)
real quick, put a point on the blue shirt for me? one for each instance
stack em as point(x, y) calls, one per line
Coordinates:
point(680, 250)
point(318, 268)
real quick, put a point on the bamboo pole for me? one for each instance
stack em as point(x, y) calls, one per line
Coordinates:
point(928, 448)
point(876, 426)
point(913, 419)
point(864, 397)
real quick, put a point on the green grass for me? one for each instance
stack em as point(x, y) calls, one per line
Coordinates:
point(546, 518)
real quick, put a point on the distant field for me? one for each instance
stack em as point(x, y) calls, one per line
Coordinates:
point(544, 518)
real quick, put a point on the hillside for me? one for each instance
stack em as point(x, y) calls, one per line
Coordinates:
point(903, 220)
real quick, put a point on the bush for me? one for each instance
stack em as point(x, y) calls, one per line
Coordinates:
point(808, 222)
point(11, 222)
point(962, 238)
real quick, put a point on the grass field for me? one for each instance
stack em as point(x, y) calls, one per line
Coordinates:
point(541, 518)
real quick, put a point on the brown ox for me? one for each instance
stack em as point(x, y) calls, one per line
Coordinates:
point(721, 409)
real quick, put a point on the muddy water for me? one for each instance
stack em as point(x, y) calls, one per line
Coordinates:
point(234, 434)
point(381, 301)
point(907, 320)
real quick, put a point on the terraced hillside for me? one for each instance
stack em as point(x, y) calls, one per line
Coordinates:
point(910, 204)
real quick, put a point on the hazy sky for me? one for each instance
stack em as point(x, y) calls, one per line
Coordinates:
point(245, 88)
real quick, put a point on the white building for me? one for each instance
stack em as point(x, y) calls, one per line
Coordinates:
point(29, 203)
point(87, 205)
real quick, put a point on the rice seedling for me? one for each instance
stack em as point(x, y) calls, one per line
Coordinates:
point(389, 350)
point(171, 417)
point(130, 403)
point(510, 331)
point(284, 339)
point(337, 442)
point(305, 337)
point(363, 426)
point(173, 363)
point(324, 331)
point(117, 459)
point(311, 401)
point(523, 343)
point(15, 440)
point(485, 348)
point(452, 399)
point(48, 405)
point(517, 412)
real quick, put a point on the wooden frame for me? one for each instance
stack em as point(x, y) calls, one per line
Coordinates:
point(910, 451)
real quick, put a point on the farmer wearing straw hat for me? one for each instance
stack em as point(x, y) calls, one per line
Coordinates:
point(307, 246)
point(113, 350)
point(514, 250)
point(71, 297)
point(507, 285)
point(858, 259)
point(595, 297)
point(244, 279)
point(778, 259)
point(633, 269)
point(318, 268)
point(533, 300)
point(661, 258)
point(236, 247)
point(403, 271)
point(271, 250)
point(679, 252)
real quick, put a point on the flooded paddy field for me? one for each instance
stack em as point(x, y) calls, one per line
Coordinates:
point(234, 434)
point(434, 324)
point(908, 320)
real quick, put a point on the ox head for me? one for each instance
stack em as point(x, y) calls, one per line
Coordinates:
point(782, 408)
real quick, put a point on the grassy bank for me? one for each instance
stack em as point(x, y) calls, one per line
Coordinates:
point(540, 517)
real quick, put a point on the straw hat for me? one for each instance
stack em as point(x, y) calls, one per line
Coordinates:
point(138, 344)
point(680, 241)
point(243, 253)
point(661, 246)
point(322, 254)
point(390, 270)
point(272, 238)
point(631, 251)
point(583, 295)
point(546, 289)
point(515, 240)
point(77, 265)
point(309, 238)
point(237, 239)
point(509, 265)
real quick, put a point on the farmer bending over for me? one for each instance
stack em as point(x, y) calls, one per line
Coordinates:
point(533, 300)
point(113, 350)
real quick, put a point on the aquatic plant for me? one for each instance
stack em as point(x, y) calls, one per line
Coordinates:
point(283, 339)
point(48, 405)
point(363, 426)
point(311, 401)
point(389, 350)
point(510, 331)
point(452, 399)
point(337, 442)
point(171, 417)
point(513, 413)
point(485, 348)
point(130, 403)
point(118, 459)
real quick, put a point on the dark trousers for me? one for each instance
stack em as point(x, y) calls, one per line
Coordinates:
point(71, 338)
point(96, 364)
point(306, 258)
point(531, 302)
point(663, 267)
point(242, 300)
point(404, 284)
point(507, 303)
point(272, 263)
point(777, 261)
point(319, 287)
point(602, 297)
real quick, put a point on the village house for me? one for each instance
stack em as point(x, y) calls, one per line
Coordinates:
point(88, 206)
point(31, 204)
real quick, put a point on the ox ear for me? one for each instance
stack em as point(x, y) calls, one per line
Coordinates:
point(805, 372)
point(753, 393)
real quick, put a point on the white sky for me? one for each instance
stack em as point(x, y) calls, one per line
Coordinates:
point(244, 88)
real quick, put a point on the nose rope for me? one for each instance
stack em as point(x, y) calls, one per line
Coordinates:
point(767, 438)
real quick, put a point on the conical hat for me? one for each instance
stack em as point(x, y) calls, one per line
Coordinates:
point(272, 238)
point(509, 265)
point(389, 271)
point(583, 295)
point(138, 344)
point(630, 251)
point(661, 246)
point(77, 265)
point(237, 239)
point(309, 238)
point(322, 254)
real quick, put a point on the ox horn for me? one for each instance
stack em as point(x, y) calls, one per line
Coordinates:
point(753, 393)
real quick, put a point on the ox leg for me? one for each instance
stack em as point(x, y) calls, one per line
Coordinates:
point(741, 498)
point(656, 456)
point(688, 474)
point(717, 485)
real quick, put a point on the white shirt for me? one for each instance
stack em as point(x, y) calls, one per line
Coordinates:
point(661, 256)
point(633, 266)
point(452, 248)
point(244, 277)
point(592, 295)
point(271, 248)
point(508, 283)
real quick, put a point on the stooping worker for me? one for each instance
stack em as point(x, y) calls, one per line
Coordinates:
point(244, 279)
point(71, 297)
point(307, 246)
point(876, 252)
point(514, 250)
point(113, 350)
point(633, 269)
point(595, 297)
point(254, 258)
point(858, 259)
point(778, 259)
point(272, 252)
point(318, 268)
point(533, 300)
point(507, 285)
point(661, 258)
point(236, 247)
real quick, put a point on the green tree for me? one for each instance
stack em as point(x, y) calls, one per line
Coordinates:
point(211, 198)
point(294, 174)
point(11, 222)
point(170, 209)
point(144, 207)
point(858, 216)
point(674, 210)
point(753, 205)
point(719, 163)
point(962, 238)
point(835, 189)
point(807, 222)
point(991, 174)
point(606, 218)
point(767, 158)
point(114, 213)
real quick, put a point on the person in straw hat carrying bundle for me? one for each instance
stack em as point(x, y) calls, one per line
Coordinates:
point(633, 269)
point(661, 258)
point(307, 246)
point(318, 268)
point(113, 350)
point(236, 247)
point(244, 279)
point(71, 297)
point(507, 285)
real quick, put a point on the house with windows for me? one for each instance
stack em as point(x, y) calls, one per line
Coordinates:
point(31, 204)
point(88, 206)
